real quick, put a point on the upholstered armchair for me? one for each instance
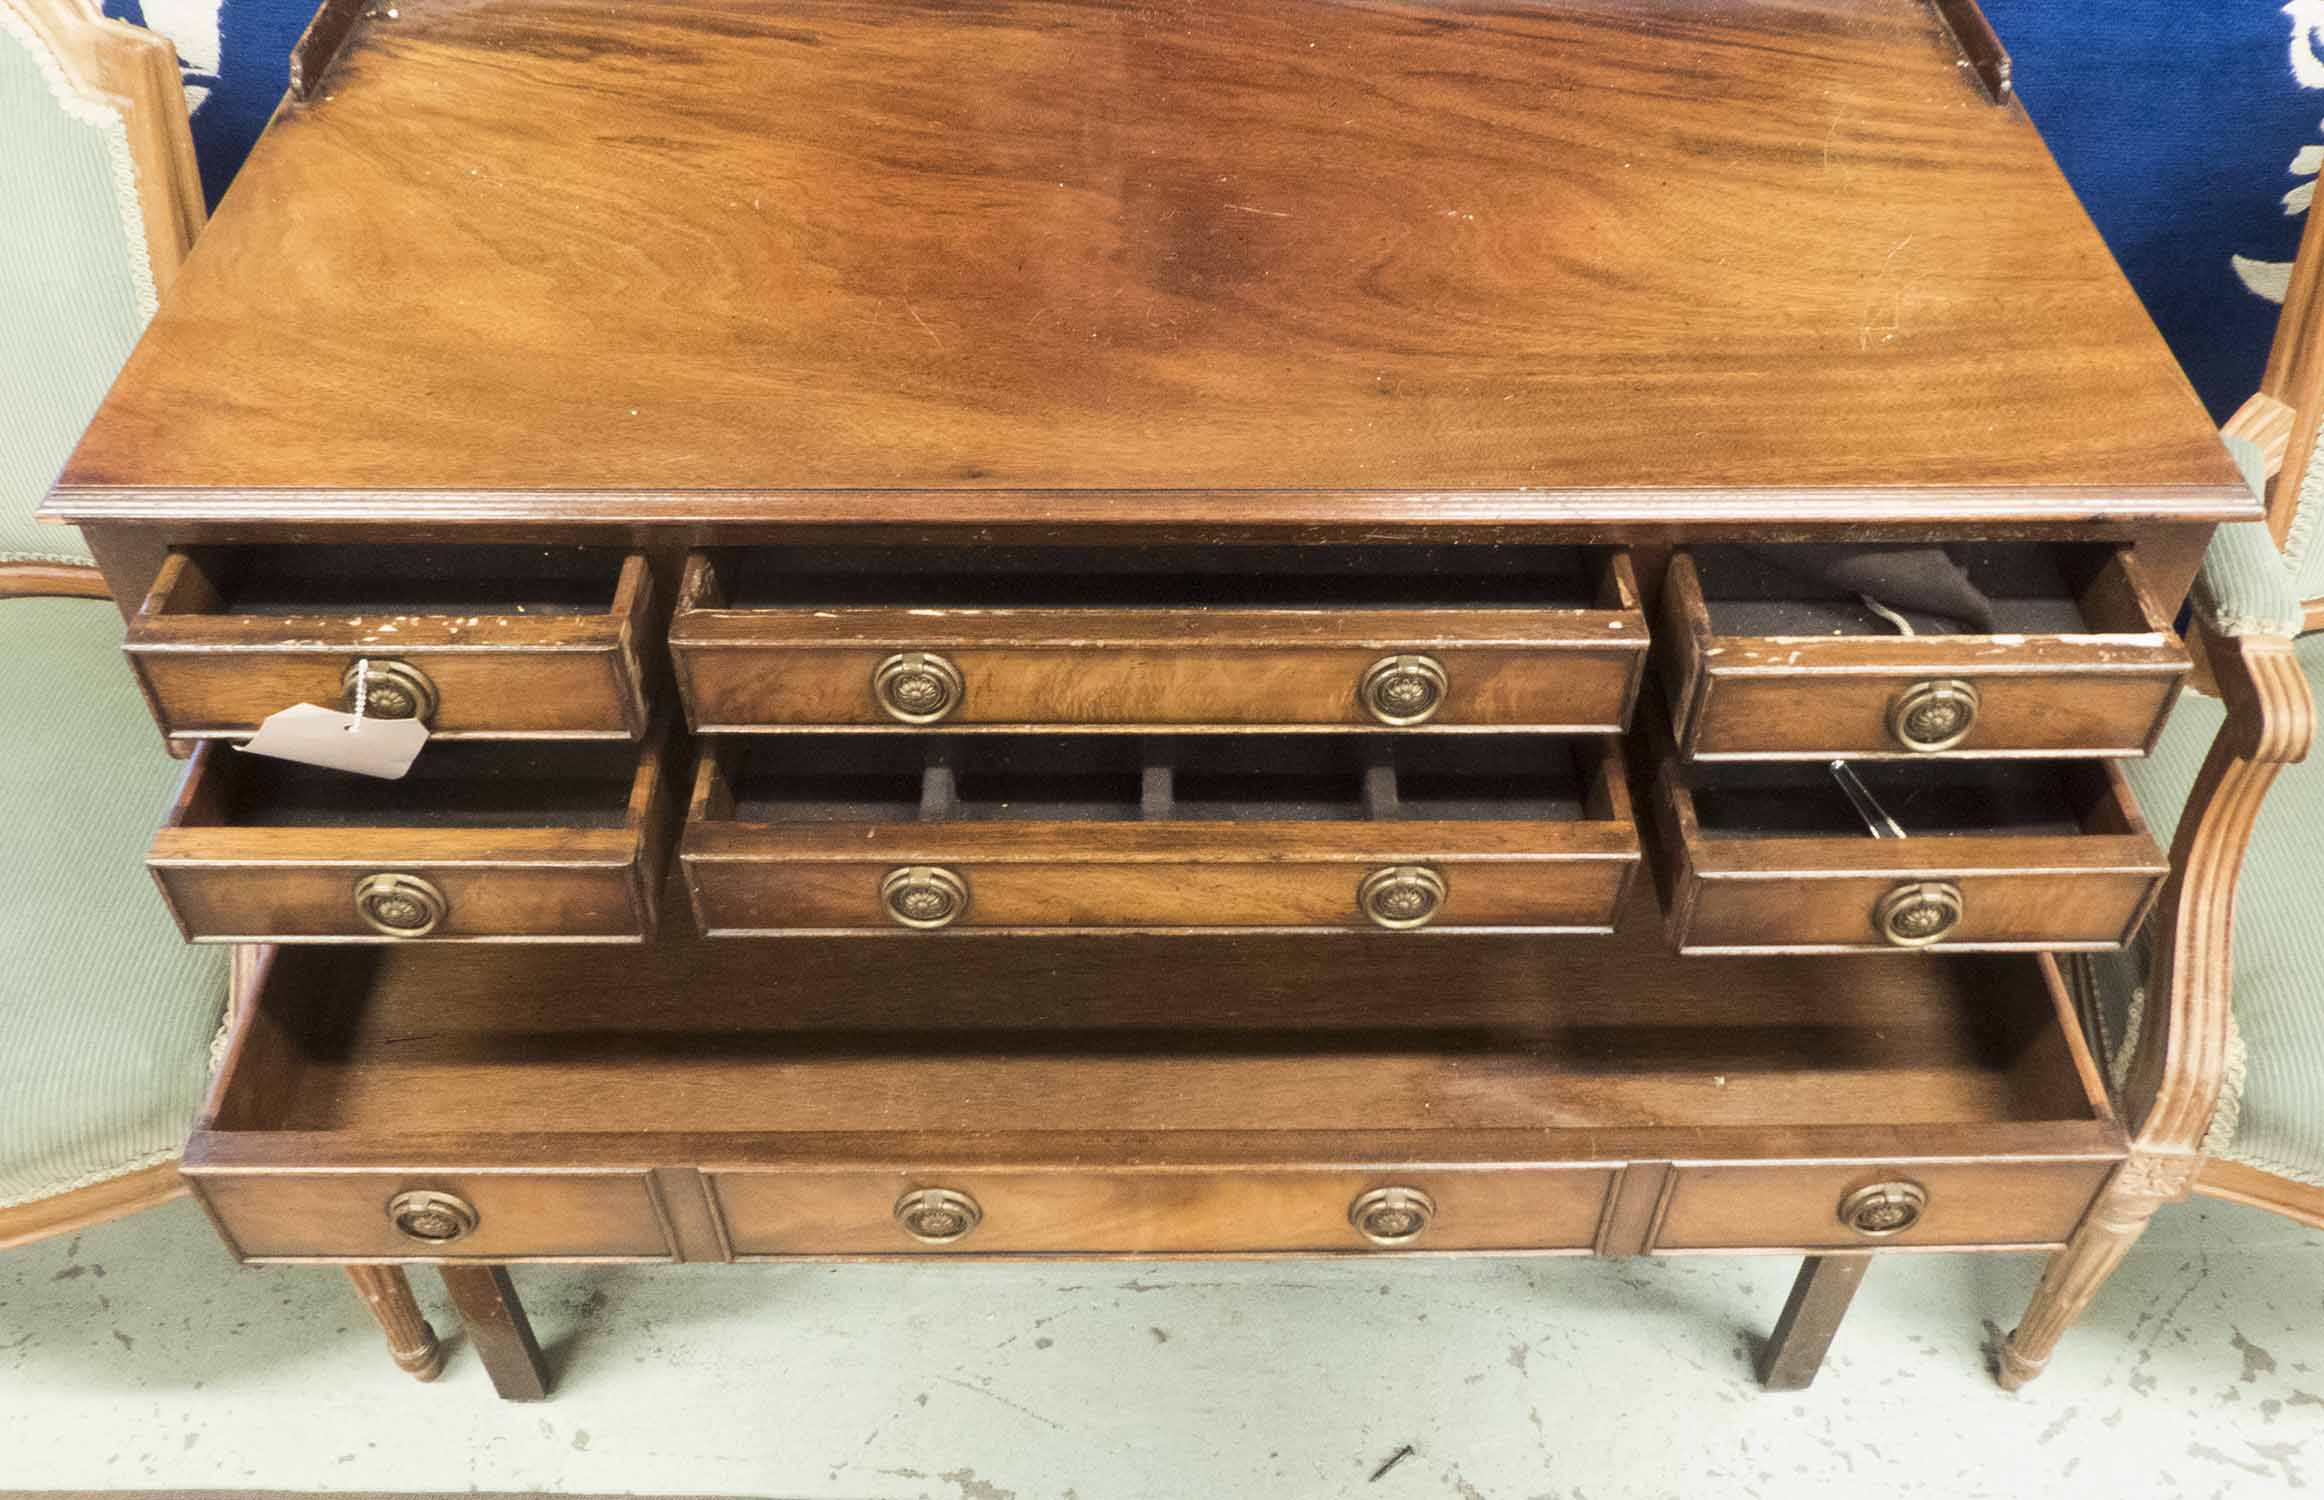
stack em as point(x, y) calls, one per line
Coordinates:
point(107, 1019)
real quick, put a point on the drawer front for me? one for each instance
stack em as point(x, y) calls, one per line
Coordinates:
point(422, 1215)
point(1762, 858)
point(496, 670)
point(1569, 662)
point(591, 692)
point(1160, 1211)
point(479, 842)
point(1192, 685)
point(2102, 692)
point(1873, 1205)
point(1730, 911)
point(1796, 712)
point(218, 900)
point(1095, 891)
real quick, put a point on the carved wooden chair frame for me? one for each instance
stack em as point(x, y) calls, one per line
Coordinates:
point(2178, 1064)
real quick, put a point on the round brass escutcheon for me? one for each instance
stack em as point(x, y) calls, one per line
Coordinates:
point(1392, 1215)
point(924, 896)
point(1400, 691)
point(1920, 913)
point(1402, 897)
point(1932, 716)
point(431, 1217)
point(1884, 1208)
point(917, 687)
point(403, 906)
point(391, 689)
point(937, 1216)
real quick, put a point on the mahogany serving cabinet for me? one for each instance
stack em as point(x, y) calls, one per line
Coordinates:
point(1180, 641)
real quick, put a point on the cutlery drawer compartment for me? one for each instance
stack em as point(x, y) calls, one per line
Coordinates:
point(834, 833)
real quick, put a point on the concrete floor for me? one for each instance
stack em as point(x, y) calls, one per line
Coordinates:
point(136, 1355)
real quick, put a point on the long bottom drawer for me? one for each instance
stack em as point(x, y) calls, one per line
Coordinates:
point(1139, 1096)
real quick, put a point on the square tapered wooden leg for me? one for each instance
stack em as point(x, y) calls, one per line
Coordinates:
point(499, 1330)
point(1819, 1300)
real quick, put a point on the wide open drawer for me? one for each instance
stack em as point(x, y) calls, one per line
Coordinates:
point(840, 833)
point(1147, 1095)
point(481, 841)
point(1762, 663)
point(1543, 638)
point(480, 641)
point(1995, 855)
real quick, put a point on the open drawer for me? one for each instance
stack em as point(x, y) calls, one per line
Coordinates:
point(1764, 664)
point(481, 841)
point(840, 833)
point(1047, 1096)
point(1993, 855)
point(481, 642)
point(1540, 638)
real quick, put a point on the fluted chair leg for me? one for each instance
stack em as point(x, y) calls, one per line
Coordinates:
point(410, 1341)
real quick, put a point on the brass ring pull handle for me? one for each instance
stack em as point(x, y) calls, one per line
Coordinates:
point(924, 897)
point(1402, 897)
point(937, 1216)
point(1933, 716)
point(1392, 1216)
point(1919, 914)
point(917, 687)
point(1884, 1208)
point(430, 1217)
point(1401, 691)
point(391, 689)
point(400, 906)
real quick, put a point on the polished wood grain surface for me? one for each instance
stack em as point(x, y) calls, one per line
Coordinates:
point(1237, 262)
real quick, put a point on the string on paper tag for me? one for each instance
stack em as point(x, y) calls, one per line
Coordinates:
point(313, 735)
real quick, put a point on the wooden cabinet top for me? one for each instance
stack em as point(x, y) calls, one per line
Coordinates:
point(1178, 263)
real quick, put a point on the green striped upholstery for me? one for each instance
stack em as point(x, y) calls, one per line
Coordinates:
point(2303, 548)
point(76, 286)
point(106, 1015)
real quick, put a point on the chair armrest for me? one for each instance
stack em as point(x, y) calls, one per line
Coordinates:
point(51, 580)
point(2244, 589)
point(2179, 1059)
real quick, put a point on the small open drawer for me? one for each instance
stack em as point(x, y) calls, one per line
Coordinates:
point(528, 842)
point(1540, 638)
point(839, 833)
point(1763, 664)
point(481, 642)
point(1995, 855)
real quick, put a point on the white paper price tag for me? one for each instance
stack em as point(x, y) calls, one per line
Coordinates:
point(316, 736)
